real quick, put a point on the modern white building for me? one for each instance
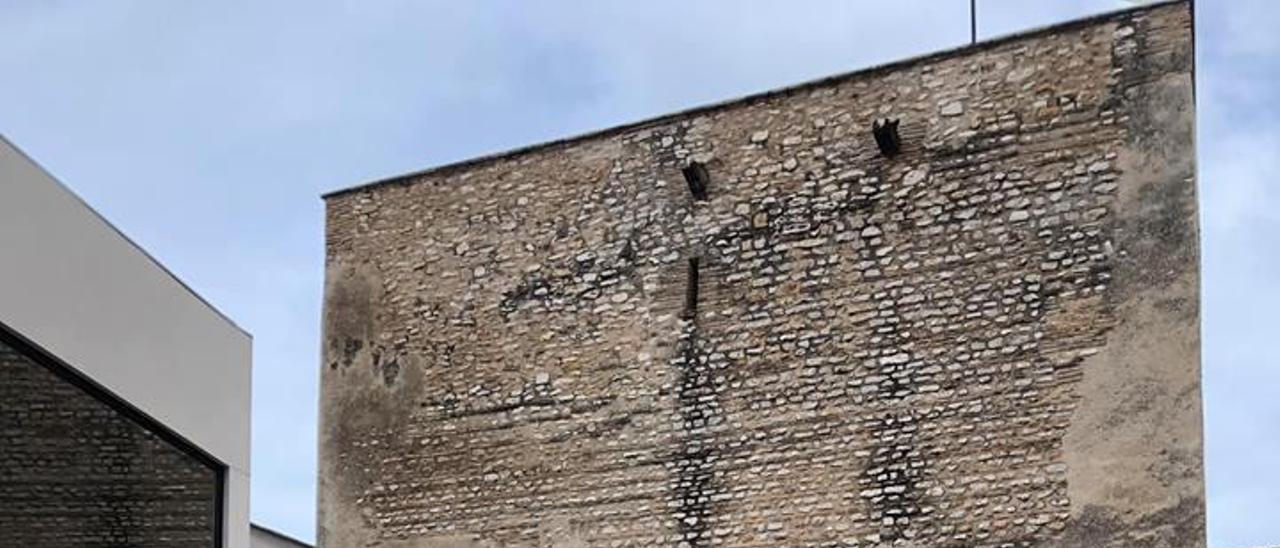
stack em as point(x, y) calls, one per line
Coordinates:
point(124, 396)
point(262, 537)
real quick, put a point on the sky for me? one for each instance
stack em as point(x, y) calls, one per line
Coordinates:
point(207, 131)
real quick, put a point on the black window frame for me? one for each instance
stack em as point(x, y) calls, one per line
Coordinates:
point(68, 373)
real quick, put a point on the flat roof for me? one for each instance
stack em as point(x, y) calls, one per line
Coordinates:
point(756, 97)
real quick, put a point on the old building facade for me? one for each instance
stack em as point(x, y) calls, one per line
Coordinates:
point(756, 324)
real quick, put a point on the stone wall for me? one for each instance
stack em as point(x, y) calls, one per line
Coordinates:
point(74, 472)
point(987, 339)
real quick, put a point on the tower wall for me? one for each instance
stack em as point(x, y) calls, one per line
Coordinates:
point(989, 338)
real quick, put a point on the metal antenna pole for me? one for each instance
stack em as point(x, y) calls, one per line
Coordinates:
point(973, 21)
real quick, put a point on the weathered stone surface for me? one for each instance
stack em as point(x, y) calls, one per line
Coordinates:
point(988, 339)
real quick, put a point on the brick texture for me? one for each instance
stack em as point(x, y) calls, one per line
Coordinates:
point(987, 339)
point(74, 473)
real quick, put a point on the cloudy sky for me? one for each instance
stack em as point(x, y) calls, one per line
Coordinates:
point(208, 130)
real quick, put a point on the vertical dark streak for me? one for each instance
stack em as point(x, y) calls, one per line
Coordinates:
point(693, 462)
point(691, 290)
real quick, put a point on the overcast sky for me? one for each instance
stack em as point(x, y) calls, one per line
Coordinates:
point(208, 130)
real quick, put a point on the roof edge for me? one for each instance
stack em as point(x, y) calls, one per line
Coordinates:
point(111, 226)
point(277, 534)
point(759, 96)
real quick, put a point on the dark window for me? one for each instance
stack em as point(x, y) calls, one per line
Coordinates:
point(696, 175)
point(887, 138)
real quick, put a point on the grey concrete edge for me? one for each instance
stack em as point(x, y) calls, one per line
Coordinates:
point(126, 238)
